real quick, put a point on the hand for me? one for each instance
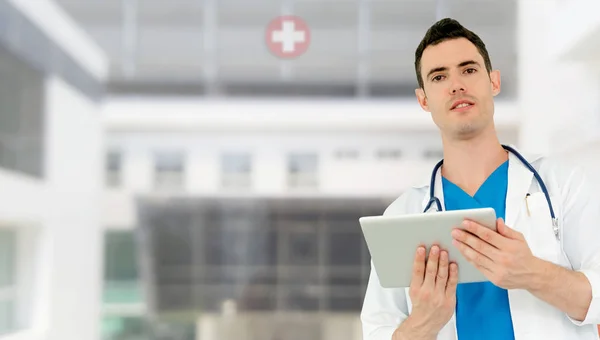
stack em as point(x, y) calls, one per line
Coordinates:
point(503, 257)
point(433, 295)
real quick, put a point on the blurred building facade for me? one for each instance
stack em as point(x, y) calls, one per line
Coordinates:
point(161, 189)
point(249, 217)
point(51, 143)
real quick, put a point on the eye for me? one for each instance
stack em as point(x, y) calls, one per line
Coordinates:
point(471, 70)
point(437, 78)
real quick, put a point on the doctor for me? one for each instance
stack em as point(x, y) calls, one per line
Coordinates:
point(544, 273)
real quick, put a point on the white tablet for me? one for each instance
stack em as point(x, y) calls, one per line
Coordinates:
point(393, 240)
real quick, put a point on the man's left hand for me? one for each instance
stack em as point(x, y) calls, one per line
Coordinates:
point(503, 257)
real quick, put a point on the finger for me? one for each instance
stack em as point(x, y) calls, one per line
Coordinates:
point(419, 267)
point(431, 269)
point(452, 280)
point(442, 274)
point(508, 232)
point(476, 243)
point(484, 233)
point(473, 256)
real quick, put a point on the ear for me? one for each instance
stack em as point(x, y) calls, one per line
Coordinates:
point(495, 79)
point(422, 98)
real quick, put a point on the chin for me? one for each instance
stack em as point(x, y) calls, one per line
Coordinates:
point(467, 130)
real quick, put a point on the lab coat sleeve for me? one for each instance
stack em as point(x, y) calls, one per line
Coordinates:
point(581, 235)
point(383, 310)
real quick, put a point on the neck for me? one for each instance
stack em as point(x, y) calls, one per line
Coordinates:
point(468, 163)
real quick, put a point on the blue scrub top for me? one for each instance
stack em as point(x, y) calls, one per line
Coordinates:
point(482, 309)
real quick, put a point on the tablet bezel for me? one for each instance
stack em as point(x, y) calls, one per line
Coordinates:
point(392, 241)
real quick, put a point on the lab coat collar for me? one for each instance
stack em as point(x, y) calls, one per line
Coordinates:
point(519, 182)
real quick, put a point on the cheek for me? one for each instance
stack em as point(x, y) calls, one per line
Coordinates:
point(483, 88)
point(435, 100)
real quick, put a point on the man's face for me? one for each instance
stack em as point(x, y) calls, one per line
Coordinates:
point(458, 90)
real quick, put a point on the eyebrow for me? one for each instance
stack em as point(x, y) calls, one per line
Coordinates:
point(443, 68)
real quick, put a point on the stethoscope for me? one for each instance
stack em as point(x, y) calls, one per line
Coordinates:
point(438, 204)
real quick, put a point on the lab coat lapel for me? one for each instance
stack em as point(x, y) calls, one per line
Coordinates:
point(519, 182)
point(449, 330)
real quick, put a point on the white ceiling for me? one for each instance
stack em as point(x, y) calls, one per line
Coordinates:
point(178, 44)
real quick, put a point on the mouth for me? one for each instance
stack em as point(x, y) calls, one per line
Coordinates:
point(461, 105)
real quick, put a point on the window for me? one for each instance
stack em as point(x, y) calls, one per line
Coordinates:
point(8, 284)
point(169, 170)
point(125, 327)
point(113, 169)
point(433, 154)
point(22, 119)
point(236, 170)
point(303, 170)
point(346, 154)
point(277, 253)
point(120, 268)
point(389, 154)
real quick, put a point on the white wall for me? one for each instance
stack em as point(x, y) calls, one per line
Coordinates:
point(197, 115)
point(24, 198)
point(559, 98)
point(269, 159)
point(270, 130)
point(59, 256)
point(576, 32)
point(23, 208)
point(58, 218)
point(73, 232)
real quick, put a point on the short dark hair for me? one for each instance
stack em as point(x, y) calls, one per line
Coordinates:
point(447, 29)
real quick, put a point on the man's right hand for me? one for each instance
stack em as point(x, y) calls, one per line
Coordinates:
point(433, 295)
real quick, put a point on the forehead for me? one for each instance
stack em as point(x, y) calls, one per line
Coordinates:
point(449, 54)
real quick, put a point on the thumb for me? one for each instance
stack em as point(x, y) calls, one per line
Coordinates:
point(506, 231)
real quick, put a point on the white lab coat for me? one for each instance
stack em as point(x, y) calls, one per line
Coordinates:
point(575, 206)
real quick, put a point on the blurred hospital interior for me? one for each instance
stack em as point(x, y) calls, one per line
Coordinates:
point(165, 176)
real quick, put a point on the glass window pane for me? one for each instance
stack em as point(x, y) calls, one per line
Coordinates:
point(302, 163)
point(124, 328)
point(113, 168)
point(343, 154)
point(7, 257)
point(303, 170)
point(7, 316)
point(113, 161)
point(168, 161)
point(344, 248)
point(235, 163)
point(120, 256)
point(169, 170)
point(433, 154)
point(21, 116)
point(389, 154)
point(236, 170)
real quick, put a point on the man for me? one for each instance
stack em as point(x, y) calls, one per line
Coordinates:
point(544, 283)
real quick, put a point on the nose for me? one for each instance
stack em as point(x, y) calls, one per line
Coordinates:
point(458, 87)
